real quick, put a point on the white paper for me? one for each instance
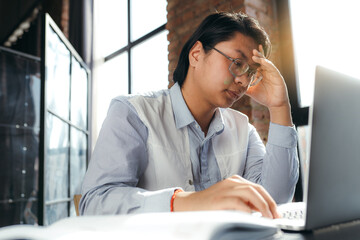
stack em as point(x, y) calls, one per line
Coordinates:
point(185, 225)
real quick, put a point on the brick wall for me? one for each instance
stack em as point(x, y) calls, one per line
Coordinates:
point(64, 26)
point(185, 15)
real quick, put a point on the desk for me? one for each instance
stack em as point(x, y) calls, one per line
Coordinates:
point(180, 226)
point(346, 231)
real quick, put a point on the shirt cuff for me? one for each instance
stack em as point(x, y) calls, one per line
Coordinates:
point(282, 136)
point(158, 201)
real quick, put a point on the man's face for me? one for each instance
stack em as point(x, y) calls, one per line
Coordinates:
point(218, 86)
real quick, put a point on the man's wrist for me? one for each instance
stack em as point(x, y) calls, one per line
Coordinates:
point(173, 199)
point(180, 202)
point(281, 115)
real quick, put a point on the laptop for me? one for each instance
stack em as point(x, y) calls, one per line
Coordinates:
point(331, 189)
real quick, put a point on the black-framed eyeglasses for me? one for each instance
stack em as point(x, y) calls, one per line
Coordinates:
point(239, 67)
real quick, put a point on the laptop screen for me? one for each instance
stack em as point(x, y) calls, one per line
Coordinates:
point(333, 194)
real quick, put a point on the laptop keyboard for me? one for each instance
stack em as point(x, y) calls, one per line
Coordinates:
point(293, 214)
point(289, 211)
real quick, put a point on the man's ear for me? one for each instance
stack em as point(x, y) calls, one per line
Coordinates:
point(195, 53)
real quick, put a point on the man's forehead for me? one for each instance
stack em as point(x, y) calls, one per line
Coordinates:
point(241, 53)
point(251, 63)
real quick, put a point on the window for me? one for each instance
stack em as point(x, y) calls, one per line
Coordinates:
point(44, 105)
point(20, 91)
point(324, 33)
point(130, 51)
point(65, 78)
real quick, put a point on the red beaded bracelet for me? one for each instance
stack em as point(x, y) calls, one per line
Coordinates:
point(173, 198)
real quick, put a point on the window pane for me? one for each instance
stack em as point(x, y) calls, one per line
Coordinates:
point(78, 152)
point(55, 212)
point(19, 138)
point(19, 153)
point(35, 84)
point(19, 150)
point(149, 64)
point(316, 42)
point(110, 26)
point(112, 81)
point(57, 159)
point(19, 91)
point(57, 75)
point(79, 90)
point(18, 212)
point(146, 16)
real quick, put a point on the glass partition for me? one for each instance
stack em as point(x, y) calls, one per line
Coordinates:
point(66, 80)
point(57, 74)
point(44, 137)
point(79, 93)
point(19, 137)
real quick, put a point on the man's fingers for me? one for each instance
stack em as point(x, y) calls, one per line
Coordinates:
point(269, 200)
point(236, 193)
point(262, 61)
point(249, 195)
point(263, 201)
point(252, 197)
point(234, 203)
point(261, 50)
point(258, 53)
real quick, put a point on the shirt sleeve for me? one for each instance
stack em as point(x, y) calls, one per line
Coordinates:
point(118, 161)
point(275, 167)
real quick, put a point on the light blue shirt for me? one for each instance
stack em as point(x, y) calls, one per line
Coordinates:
point(120, 158)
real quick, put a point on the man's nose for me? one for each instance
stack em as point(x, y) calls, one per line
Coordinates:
point(242, 80)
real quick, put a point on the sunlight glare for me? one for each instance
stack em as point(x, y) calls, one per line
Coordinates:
point(324, 33)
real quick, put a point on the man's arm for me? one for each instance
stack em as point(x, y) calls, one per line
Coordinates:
point(118, 161)
point(277, 171)
point(276, 167)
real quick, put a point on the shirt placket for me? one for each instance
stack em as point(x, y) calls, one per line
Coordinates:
point(205, 179)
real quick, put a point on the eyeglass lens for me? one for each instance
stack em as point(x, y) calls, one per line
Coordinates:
point(239, 68)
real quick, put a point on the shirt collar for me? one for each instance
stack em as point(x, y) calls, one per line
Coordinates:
point(183, 116)
point(217, 123)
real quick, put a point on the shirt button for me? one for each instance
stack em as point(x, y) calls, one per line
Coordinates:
point(190, 182)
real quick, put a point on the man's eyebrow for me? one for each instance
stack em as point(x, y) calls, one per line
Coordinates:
point(253, 66)
point(242, 54)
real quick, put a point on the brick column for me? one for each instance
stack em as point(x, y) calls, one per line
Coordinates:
point(65, 18)
point(184, 16)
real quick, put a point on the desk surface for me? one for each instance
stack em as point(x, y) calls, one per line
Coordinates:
point(187, 225)
point(337, 232)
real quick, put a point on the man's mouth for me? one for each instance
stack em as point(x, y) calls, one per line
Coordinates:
point(234, 94)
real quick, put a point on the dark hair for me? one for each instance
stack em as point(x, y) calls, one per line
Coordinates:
point(219, 27)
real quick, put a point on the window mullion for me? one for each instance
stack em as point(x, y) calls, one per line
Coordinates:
point(129, 49)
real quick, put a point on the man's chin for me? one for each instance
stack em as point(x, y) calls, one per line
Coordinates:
point(228, 103)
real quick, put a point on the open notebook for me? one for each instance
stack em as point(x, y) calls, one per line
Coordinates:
point(333, 170)
point(207, 225)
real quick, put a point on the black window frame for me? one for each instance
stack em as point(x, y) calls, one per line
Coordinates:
point(299, 114)
point(131, 44)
